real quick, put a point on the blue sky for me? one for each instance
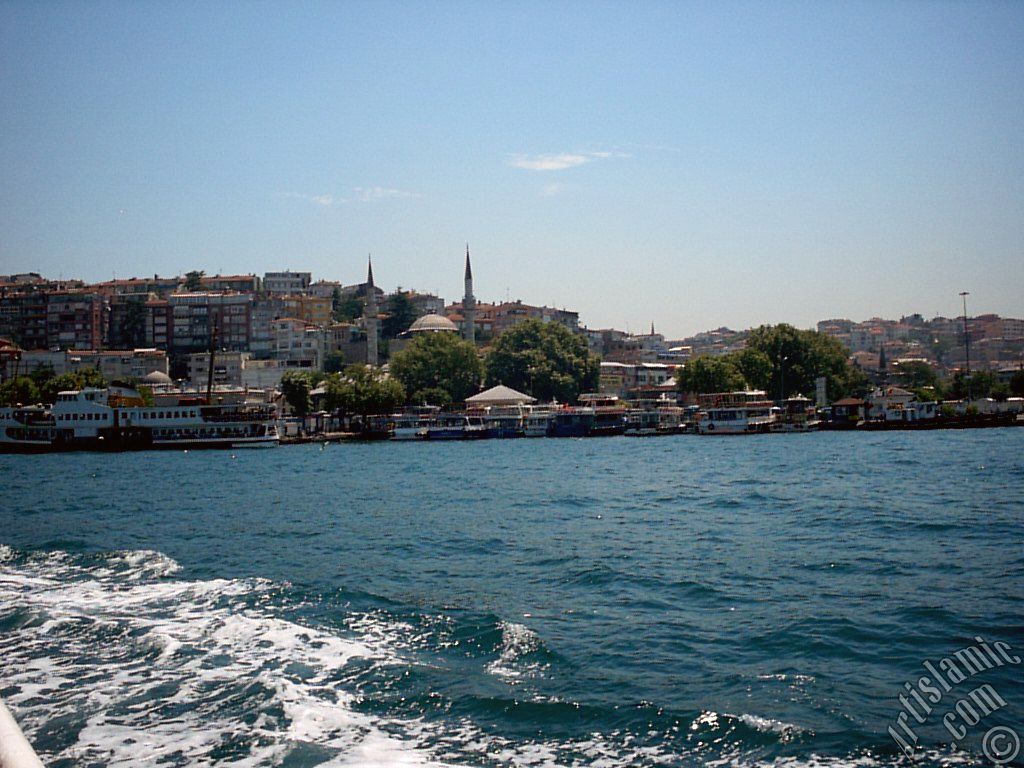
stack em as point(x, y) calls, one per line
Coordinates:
point(694, 164)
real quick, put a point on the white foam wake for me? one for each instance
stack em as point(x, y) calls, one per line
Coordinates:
point(173, 671)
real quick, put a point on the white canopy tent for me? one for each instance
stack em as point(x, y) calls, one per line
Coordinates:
point(500, 395)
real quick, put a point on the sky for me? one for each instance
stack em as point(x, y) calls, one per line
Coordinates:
point(691, 164)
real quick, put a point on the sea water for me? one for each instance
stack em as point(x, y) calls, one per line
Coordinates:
point(605, 602)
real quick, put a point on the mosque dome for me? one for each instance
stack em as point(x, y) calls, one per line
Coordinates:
point(433, 324)
point(157, 377)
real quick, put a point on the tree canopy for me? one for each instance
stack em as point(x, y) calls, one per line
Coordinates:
point(915, 374)
point(362, 390)
point(345, 308)
point(400, 315)
point(1017, 384)
point(799, 357)
point(194, 279)
point(705, 373)
point(546, 360)
point(80, 379)
point(438, 361)
point(295, 386)
point(782, 361)
point(20, 390)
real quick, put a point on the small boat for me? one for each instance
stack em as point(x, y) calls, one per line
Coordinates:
point(609, 414)
point(735, 413)
point(571, 422)
point(537, 421)
point(797, 414)
point(504, 421)
point(413, 422)
point(456, 426)
point(670, 420)
point(642, 422)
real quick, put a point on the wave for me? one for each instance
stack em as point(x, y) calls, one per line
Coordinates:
point(130, 662)
point(109, 658)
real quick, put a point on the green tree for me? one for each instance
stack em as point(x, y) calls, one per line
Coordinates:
point(431, 396)
point(334, 362)
point(704, 374)
point(439, 361)
point(128, 324)
point(363, 390)
point(194, 279)
point(547, 360)
point(1017, 384)
point(400, 315)
point(348, 308)
point(799, 357)
point(980, 384)
point(42, 374)
point(755, 366)
point(296, 386)
point(915, 374)
point(73, 380)
point(21, 390)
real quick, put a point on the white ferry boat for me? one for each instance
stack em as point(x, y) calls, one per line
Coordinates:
point(414, 422)
point(735, 413)
point(28, 429)
point(117, 418)
point(456, 426)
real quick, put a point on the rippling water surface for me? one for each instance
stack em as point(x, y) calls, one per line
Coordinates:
point(605, 602)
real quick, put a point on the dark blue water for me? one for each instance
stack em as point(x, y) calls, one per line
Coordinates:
point(669, 601)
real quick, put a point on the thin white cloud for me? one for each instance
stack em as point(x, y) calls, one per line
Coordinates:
point(550, 190)
point(549, 162)
point(357, 195)
point(373, 194)
point(559, 162)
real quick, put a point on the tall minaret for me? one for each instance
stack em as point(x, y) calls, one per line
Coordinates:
point(469, 303)
point(370, 316)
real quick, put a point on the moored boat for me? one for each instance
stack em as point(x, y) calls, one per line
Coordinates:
point(735, 413)
point(571, 421)
point(642, 422)
point(27, 429)
point(413, 422)
point(797, 414)
point(456, 426)
point(117, 418)
point(504, 421)
point(609, 414)
point(537, 421)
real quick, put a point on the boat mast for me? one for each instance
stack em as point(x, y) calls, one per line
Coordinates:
point(209, 373)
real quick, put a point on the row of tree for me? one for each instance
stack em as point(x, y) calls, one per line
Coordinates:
point(781, 360)
point(42, 386)
point(545, 360)
point(921, 379)
point(785, 361)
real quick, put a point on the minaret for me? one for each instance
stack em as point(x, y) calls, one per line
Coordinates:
point(469, 303)
point(370, 316)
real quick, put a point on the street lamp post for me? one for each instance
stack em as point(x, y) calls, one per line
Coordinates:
point(967, 346)
point(782, 377)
